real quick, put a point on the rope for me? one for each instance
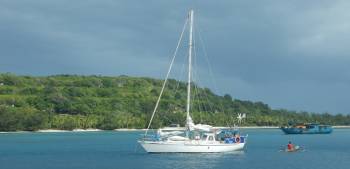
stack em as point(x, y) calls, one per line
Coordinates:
point(166, 78)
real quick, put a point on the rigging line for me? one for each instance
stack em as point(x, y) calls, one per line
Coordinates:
point(195, 91)
point(167, 76)
point(210, 107)
point(181, 76)
point(175, 90)
point(208, 101)
point(206, 104)
point(177, 86)
point(204, 96)
point(178, 81)
point(199, 104)
point(208, 61)
point(194, 68)
point(196, 75)
point(210, 68)
point(196, 78)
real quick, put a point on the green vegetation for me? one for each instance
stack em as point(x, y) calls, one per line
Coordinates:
point(71, 101)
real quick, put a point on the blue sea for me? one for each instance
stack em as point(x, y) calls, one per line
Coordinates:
point(119, 150)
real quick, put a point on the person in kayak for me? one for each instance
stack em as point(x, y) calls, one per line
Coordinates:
point(290, 146)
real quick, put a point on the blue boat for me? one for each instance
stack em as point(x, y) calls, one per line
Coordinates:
point(309, 128)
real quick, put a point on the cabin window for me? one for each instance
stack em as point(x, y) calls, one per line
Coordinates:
point(204, 137)
point(211, 138)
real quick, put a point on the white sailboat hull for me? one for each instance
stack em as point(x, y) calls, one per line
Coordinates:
point(189, 147)
point(171, 141)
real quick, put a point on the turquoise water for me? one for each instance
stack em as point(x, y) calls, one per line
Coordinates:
point(119, 150)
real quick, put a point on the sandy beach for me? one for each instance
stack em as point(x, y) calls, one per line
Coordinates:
point(74, 130)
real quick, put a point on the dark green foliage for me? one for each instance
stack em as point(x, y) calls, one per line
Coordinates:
point(29, 119)
point(70, 101)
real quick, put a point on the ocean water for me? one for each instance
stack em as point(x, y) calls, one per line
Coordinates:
point(119, 150)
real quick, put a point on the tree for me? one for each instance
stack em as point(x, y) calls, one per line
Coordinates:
point(227, 97)
point(72, 101)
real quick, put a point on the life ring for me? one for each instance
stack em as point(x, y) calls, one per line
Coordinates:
point(238, 139)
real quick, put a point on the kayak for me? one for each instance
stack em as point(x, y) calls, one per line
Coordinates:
point(296, 148)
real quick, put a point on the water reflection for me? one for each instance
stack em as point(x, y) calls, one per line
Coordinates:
point(197, 160)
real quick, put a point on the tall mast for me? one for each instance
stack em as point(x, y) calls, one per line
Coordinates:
point(189, 66)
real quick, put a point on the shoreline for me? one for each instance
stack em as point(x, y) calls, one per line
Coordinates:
point(127, 130)
point(74, 130)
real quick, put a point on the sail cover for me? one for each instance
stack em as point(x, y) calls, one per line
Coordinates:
point(191, 126)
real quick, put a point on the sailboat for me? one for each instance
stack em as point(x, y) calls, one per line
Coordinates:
point(196, 138)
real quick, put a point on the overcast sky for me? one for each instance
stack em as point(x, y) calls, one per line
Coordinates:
point(291, 54)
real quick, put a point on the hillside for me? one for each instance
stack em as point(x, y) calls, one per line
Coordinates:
point(71, 101)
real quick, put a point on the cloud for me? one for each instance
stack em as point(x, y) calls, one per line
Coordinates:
point(289, 54)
